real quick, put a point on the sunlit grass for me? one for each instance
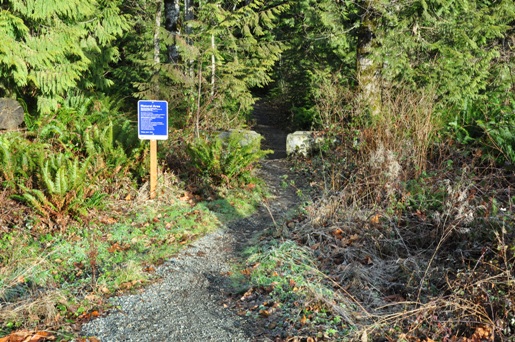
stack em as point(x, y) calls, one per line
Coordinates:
point(49, 279)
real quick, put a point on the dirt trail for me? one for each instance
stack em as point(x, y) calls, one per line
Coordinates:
point(186, 304)
point(270, 124)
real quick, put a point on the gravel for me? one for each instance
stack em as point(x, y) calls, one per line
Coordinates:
point(186, 304)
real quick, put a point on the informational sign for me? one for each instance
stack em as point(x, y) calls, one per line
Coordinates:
point(152, 120)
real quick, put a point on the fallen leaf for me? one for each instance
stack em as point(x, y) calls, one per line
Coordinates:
point(264, 313)
point(368, 260)
point(337, 233)
point(422, 216)
point(482, 333)
point(149, 269)
point(351, 239)
point(92, 297)
point(315, 246)
point(93, 339)
point(28, 336)
point(108, 220)
point(116, 247)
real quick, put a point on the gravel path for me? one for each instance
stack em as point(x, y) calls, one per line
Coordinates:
point(186, 304)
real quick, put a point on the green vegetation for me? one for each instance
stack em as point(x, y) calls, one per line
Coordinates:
point(54, 279)
point(227, 161)
point(412, 235)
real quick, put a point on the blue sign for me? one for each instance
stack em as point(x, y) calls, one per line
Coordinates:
point(152, 120)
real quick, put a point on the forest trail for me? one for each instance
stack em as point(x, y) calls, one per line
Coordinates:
point(186, 304)
point(271, 123)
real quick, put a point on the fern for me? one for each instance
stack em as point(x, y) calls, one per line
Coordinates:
point(61, 186)
point(228, 160)
point(17, 159)
point(37, 200)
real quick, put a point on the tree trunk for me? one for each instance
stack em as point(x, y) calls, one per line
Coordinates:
point(157, 48)
point(188, 16)
point(172, 12)
point(213, 65)
point(368, 69)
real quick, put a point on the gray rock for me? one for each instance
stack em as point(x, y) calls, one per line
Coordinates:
point(305, 143)
point(11, 114)
point(301, 142)
point(246, 137)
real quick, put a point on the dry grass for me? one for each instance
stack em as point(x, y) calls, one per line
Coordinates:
point(394, 148)
point(447, 271)
point(421, 235)
point(35, 310)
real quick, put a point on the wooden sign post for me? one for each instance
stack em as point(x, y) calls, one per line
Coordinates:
point(153, 126)
point(153, 168)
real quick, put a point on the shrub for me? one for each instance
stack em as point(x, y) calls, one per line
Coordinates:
point(70, 160)
point(226, 161)
point(63, 187)
point(488, 123)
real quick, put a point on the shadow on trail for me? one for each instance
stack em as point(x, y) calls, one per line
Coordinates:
point(271, 123)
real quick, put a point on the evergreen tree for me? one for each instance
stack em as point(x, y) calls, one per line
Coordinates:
point(459, 48)
point(321, 38)
point(50, 47)
point(216, 52)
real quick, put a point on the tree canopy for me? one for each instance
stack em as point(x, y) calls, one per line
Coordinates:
point(214, 53)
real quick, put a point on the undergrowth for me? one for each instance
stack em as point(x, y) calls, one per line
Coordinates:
point(76, 226)
point(54, 281)
point(411, 232)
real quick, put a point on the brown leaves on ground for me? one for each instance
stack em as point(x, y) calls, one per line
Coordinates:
point(88, 339)
point(28, 336)
point(116, 247)
point(190, 198)
point(481, 334)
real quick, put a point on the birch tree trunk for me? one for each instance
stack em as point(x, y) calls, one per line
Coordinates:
point(213, 65)
point(188, 16)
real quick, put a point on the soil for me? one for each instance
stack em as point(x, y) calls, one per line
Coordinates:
point(189, 303)
point(271, 123)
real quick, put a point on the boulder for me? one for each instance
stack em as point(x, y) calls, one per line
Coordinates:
point(300, 142)
point(246, 137)
point(304, 142)
point(11, 114)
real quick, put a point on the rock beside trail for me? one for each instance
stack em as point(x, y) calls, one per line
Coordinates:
point(11, 114)
point(246, 137)
point(305, 143)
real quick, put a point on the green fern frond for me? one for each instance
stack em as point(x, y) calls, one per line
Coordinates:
point(47, 178)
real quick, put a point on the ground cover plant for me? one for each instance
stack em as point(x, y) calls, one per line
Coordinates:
point(411, 226)
point(76, 226)
point(409, 238)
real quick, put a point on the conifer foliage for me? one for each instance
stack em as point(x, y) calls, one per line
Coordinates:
point(50, 47)
point(211, 54)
